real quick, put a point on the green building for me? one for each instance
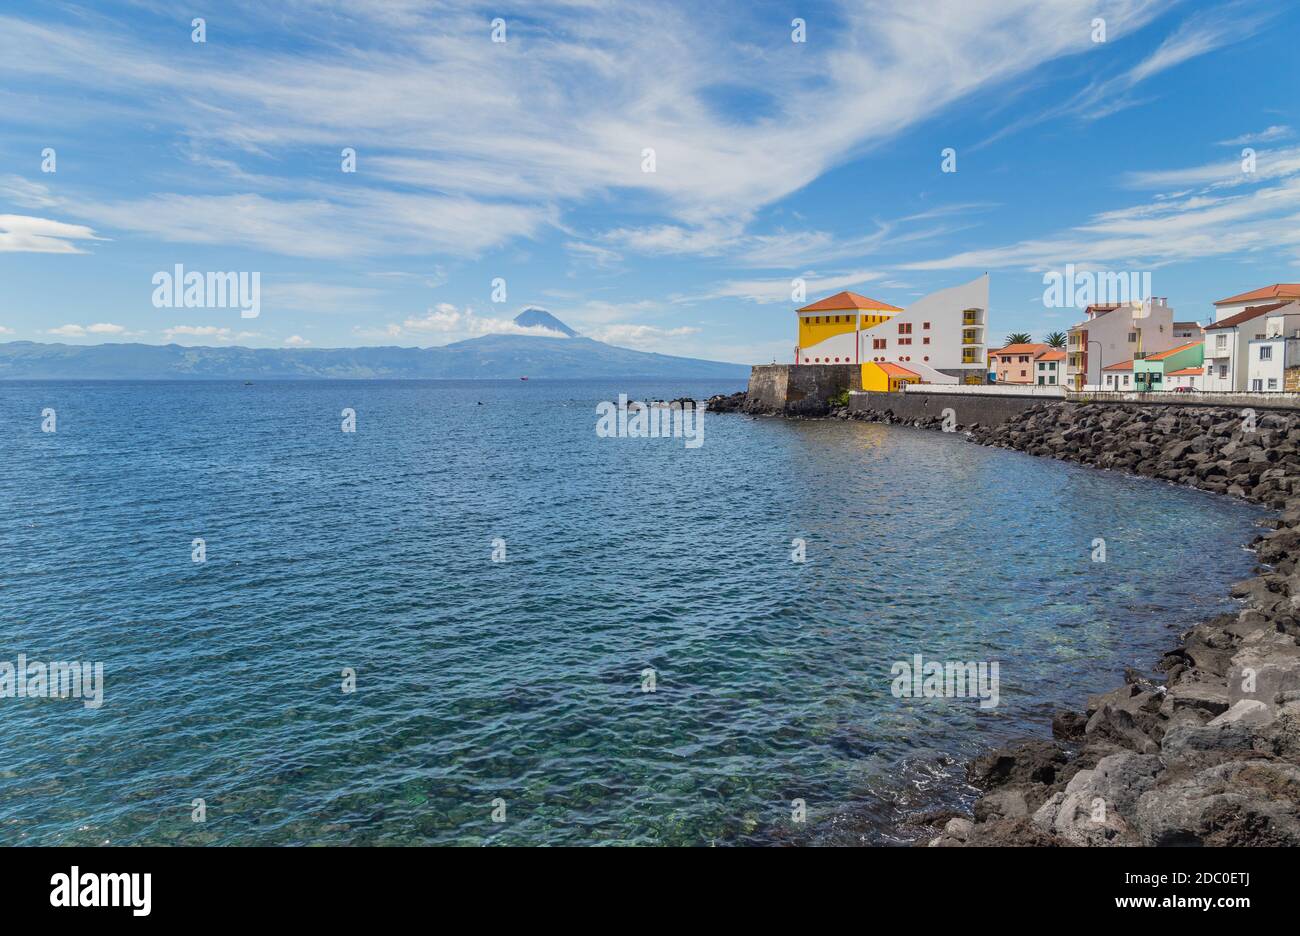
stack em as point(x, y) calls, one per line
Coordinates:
point(1149, 372)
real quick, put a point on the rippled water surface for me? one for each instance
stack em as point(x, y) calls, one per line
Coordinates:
point(522, 680)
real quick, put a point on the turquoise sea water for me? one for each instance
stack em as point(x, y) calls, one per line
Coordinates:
point(521, 681)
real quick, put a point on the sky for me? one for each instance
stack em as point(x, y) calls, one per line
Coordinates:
point(494, 175)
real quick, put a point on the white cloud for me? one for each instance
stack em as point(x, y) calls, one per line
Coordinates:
point(26, 234)
point(296, 341)
point(80, 331)
point(319, 297)
point(446, 319)
point(645, 337)
point(197, 331)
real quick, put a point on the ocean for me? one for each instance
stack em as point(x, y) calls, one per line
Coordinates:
point(473, 620)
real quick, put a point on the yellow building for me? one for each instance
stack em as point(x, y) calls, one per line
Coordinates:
point(937, 339)
point(845, 313)
point(886, 377)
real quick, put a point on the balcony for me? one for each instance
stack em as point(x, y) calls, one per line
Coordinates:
point(970, 338)
point(971, 359)
point(971, 317)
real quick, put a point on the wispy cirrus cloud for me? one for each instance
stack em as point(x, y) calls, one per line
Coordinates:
point(464, 144)
point(782, 289)
point(1210, 221)
point(1268, 135)
point(1204, 32)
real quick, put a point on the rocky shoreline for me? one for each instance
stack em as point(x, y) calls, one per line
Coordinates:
point(1205, 750)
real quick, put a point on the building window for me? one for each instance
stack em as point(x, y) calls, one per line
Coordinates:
point(1272, 383)
point(1132, 337)
point(1257, 385)
point(925, 325)
point(925, 340)
point(1221, 342)
point(1266, 352)
point(905, 328)
point(1223, 370)
point(905, 341)
point(877, 344)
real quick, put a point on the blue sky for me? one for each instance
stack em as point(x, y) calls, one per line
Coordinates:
point(523, 160)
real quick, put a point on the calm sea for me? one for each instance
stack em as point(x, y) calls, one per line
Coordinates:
point(516, 687)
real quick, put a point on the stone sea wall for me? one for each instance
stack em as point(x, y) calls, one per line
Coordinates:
point(1205, 748)
point(799, 389)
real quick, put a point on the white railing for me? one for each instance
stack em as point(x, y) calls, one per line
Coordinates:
point(1025, 390)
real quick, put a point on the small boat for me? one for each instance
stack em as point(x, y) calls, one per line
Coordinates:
point(523, 378)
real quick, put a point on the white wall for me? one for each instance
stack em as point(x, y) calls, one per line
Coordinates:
point(1154, 318)
point(943, 310)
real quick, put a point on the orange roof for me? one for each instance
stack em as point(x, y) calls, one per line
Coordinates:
point(1185, 372)
point(1161, 355)
point(1052, 356)
point(1127, 365)
point(842, 301)
point(1245, 315)
point(1021, 349)
point(894, 370)
point(1276, 291)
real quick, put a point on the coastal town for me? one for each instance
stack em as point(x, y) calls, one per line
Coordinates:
point(1249, 343)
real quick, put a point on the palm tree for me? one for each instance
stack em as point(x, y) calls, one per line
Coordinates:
point(1018, 338)
point(1055, 340)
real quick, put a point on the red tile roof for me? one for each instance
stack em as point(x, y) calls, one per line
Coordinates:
point(1051, 356)
point(1031, 348)
point(1126, 365)
point(1161, 355)
point(1245, 315)
point(895, 370)
point(842, 301)
point(1276, 291)
point(1185, 372)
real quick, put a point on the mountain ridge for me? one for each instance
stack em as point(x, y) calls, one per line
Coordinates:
point(496, 356)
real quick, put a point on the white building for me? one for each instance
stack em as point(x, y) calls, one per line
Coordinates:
point(1113, 334)
point(1278, 292)
point(1049, 369)
point(940, 337)
point(1231, 363)
point(1188, 378)
point(1268, 358)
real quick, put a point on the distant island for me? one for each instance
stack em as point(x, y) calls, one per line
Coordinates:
point(564, 355)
